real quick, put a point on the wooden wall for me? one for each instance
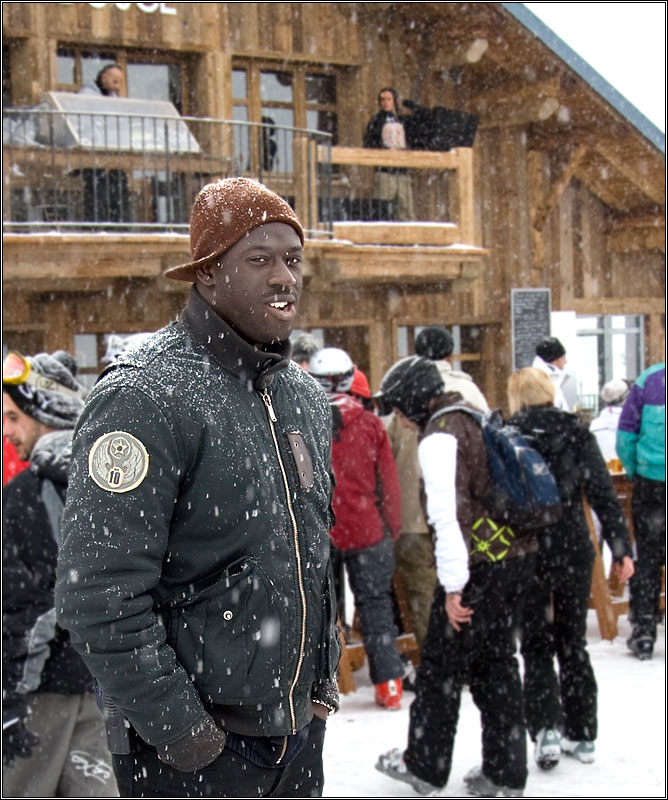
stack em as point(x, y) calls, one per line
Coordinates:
point(543, 222)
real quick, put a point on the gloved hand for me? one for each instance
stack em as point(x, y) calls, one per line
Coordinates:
point(17, 740)
point(197, 749)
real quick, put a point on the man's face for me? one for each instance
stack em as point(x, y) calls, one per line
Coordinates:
point(19, 428)
point(255, 286)
point(560, 362)
point(386, 102)
point(405, 422)
point(112, 80)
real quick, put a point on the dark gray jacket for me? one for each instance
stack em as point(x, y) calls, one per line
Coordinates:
point(204, 589)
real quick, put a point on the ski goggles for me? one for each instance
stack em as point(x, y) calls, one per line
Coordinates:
point(17, 370)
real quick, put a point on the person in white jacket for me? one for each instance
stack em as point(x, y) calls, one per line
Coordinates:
point(604, 427)
point(551, 359)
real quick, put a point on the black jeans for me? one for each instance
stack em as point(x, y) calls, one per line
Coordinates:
point(555, 623)
point(370, 572)
point(483, 653)
point(648, 509)
point(142, 774)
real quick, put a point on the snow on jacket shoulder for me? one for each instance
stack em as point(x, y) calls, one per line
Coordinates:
point(203, 587)
point(367, 497)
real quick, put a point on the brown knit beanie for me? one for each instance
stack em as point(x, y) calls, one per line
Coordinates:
point(223, 213)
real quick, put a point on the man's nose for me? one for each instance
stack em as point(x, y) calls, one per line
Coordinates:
point(281, 274)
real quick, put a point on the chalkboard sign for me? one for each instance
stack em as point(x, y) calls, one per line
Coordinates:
point(530, 309)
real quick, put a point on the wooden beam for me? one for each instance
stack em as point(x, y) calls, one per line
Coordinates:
point(560, 184)
point(605, 306)
point(633, 240)
point(424, 233)
point(645, 176)
point(372, 157)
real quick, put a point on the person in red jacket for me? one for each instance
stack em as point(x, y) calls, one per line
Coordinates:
point(367, 506)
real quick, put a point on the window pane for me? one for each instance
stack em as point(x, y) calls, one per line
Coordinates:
point(85, 350)
point(241, 140)
point(276, 86)
point(65, 66)
point(321, 89)
point(277, 143)
point(148, 81)
point(322, 121)
point(239, 84)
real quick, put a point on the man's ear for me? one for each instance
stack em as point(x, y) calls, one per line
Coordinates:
point(204, 274)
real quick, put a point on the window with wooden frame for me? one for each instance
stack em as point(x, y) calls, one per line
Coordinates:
point(282, 97)
point(148, 75)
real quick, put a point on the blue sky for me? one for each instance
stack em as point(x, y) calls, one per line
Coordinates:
point(624, 42)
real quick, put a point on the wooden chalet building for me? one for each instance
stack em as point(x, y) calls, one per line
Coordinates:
point(563, 188)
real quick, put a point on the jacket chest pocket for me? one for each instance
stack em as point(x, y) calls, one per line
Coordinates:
point(302, 459)
point(229, 635)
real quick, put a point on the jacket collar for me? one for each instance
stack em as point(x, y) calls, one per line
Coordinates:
point(248, 363)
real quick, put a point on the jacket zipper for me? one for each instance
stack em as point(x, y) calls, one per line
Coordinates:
point(295, 533)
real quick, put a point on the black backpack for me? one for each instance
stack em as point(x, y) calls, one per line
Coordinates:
point(524, 494)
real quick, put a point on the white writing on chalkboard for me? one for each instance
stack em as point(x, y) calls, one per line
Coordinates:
point(530, 310)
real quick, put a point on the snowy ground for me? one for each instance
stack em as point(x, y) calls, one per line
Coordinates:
point(630, 751)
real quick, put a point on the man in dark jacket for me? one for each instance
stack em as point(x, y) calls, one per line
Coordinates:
point(53, 735)
point(194, 575)
point(483, 572)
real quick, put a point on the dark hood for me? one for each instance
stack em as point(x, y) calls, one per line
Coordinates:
point(553, 432)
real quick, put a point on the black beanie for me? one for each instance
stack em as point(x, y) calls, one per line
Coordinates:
point(434, 342)
point(550, 349)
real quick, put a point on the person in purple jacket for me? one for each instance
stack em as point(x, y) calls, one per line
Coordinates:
point(641, 447)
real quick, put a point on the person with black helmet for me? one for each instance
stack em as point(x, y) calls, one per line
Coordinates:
point(367, 508)
point(53, 742)
point(483, 572)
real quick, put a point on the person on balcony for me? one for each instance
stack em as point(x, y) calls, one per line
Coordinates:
point(385, 130)
point(105, 196)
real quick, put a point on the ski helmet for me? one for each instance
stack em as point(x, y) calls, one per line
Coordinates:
point(409, 386)
point(333, 369)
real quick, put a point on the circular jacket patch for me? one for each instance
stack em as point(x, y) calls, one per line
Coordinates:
point(118, 462)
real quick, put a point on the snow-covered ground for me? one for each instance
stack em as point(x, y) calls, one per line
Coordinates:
point(630, 750)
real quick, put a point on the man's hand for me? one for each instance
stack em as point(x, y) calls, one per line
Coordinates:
point(457, 613)
point(624, 569)
point(17, 742)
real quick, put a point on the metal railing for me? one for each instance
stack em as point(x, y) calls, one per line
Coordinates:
point(129, 172)
point(75, 171)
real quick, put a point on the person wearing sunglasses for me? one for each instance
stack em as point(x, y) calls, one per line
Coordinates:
point(53, 734)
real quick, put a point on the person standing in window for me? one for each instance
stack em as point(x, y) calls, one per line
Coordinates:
point(105, 191)
point(386, 131)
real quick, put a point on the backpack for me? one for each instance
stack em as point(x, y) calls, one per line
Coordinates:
point(524, 494)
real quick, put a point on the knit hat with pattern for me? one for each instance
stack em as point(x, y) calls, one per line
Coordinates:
point(223, 213)
point(59, 401)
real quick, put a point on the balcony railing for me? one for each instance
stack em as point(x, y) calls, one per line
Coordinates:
point(105, 171)
point(129, 172)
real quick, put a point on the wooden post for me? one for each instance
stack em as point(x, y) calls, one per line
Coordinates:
point(466, 220)
point(600, 594)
